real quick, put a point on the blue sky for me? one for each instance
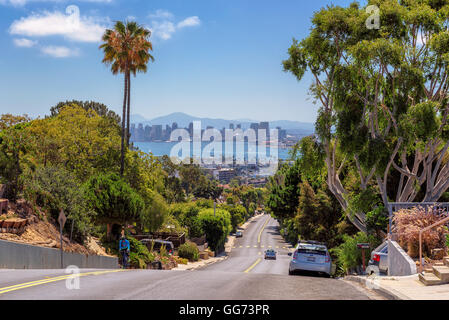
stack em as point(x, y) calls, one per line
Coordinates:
point(214, 58)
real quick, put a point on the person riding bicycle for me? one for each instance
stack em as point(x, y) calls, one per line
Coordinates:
point(124, 251)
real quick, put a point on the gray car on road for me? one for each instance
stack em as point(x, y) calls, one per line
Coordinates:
point(379, 260)
point(311, 256)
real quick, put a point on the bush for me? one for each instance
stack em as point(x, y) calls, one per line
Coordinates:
point(408, 223)
point(349, 255)
point(189, 250)
point(113, 199)
point(55, 188)
point(215, 227)
point(180, 260)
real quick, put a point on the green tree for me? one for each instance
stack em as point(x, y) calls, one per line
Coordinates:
point(81, 141)
point(114, 201)
point(15, 145)
point(383, 97)
point(216, 227)
point(55, 188)
point(126, 49)
point(99, 108)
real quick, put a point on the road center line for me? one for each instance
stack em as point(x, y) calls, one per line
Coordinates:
point(261, 230)
point(54, 279)
point(253, 265)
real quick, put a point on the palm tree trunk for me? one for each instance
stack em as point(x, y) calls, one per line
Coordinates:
point(122, 156)
point(129, 108)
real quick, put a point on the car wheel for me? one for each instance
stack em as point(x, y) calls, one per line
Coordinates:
point(290, 272)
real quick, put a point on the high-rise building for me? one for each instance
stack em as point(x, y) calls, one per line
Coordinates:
point(254, 126)
point(231, 126)
point(147, 133)
point(156, 132)
point(140, 136)
point(265, 126)
point(167, 132)
point(191, 129)
point(174, 126)
point(239, 126)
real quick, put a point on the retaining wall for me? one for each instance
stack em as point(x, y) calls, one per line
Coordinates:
point(399, 262)
point(22, 256)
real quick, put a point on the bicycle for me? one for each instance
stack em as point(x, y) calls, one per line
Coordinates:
point(125, 258)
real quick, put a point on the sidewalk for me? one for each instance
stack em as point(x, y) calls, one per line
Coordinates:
point(199, 264)
point(402, 288)
point(228, 247)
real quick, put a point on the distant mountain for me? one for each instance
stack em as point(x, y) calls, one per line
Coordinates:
point(183, 121)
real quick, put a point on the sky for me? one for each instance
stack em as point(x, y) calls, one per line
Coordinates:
point(213, 58)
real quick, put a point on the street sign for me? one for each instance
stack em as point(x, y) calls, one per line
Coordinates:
point(363, 245)
point(62, 218)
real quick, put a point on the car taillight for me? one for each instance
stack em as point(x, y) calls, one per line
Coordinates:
point(328, 258)
point(295, 255)
point(376, 258)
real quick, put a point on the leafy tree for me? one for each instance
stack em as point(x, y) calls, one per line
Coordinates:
point(238, 215)
point(81, 141)
point(284, 191)
point(383, 97)
point(155, 213)
point(101, 109)
point(187, 214)
point(54, 188)
point(208, 190)
point(114, 201)
point(215, 227)
point(15, 144)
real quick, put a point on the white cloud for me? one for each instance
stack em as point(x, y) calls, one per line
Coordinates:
point(163, 30)
point(161, 14)
point(189, 22)
point(25, 43)
point(59, 52)
point(163, 25)
point(82, 29)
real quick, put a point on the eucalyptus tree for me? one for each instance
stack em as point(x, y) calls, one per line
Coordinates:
point(383, 96)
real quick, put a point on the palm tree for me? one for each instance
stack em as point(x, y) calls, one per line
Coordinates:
point(126, 49)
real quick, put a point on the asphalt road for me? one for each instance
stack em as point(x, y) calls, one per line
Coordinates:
point(245, 275)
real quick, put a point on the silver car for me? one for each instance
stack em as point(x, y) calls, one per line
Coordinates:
point(311, 257)
point(379, 260)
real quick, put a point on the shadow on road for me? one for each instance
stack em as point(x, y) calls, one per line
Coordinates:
point(310, 274)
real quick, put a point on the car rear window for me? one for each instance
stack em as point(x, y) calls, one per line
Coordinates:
point(312, 251)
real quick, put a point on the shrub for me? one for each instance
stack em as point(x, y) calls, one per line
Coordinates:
point(216, 227)
point(349, 255)
point(189, 250)
point(408, 223)
point(113, 199)
point(55, 188)
point(180, 260)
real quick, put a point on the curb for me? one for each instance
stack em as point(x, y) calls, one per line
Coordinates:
point(390, 294)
